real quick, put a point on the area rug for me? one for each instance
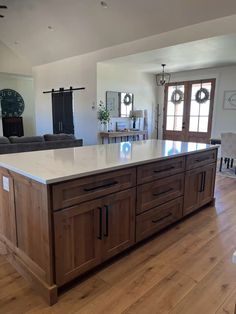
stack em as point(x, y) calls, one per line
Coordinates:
point(230, 173)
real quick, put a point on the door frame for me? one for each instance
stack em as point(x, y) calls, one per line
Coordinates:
point(185, 135)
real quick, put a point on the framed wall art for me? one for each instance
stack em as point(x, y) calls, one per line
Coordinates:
point(229, 102)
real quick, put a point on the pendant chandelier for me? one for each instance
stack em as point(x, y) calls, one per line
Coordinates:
point(163, 77)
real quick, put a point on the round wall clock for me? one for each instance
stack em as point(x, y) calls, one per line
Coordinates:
point(12, 103)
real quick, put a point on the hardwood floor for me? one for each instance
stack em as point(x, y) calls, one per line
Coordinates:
point(184, 270)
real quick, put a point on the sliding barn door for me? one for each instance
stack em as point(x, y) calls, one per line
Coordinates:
point(62, 111)
point(188, 110)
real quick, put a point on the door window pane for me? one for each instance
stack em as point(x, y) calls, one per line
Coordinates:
point(194, 109)
point(204, 109)
point(193, 124)
point(170, 109)
point(170, 123)
point(178, 123)
point(203, 124)
point(179, 109)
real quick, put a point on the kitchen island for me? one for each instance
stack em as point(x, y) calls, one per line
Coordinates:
point(63, 212)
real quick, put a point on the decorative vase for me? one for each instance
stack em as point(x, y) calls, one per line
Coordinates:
point(104, 126)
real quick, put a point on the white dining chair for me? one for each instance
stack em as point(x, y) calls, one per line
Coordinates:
point(228, 149)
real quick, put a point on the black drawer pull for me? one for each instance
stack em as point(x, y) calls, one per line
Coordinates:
point(202, 159)
point(100, 224)
point(160, 219)
point(107, 207)
point(162, 170)
point(108, 185)
point(163, 192)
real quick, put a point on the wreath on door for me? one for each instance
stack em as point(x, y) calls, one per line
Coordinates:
point(202, 95)
point(177, 96)
point(127, 99)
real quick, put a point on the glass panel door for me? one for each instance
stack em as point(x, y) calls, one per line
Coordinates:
point(188, 109)
point(200, 110)
point(174, 111)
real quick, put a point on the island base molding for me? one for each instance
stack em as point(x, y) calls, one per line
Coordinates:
point(49, 293)
point(54, 233)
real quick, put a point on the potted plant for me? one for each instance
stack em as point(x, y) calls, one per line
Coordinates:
point(103, 117)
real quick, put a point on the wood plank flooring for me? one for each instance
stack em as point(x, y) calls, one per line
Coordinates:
point(184, 270)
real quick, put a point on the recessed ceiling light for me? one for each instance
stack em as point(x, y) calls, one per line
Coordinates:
point(104, 4)
point(50, 28)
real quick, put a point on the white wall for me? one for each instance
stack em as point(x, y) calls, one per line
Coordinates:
point(122, 79)
point(82, 71)
point(24, 86)
point(223, 120)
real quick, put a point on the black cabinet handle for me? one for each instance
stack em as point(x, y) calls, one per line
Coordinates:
point(163, 192)
point(160, 219)
point(107, 185)
point(166, 169)
point(200, 190)
point(107, 207)
point(100, 224)
point(202, 159)
point(203, 181)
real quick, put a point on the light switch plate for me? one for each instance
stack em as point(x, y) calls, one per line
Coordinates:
point(5, 183)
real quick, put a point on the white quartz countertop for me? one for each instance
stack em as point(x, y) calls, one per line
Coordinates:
point(52, 166)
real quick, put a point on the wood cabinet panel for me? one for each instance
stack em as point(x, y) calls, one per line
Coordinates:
point(77, 191)
point(191, 191)
point(201, 159)
point(7, 209)
point(207, 193)
point(158, 218)
point(199, 187)
point(160, 169)
point(158, 192)
point(119, 232)
point(77, 240)
point(92, 232)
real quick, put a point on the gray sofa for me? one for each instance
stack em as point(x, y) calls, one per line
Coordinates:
point(16, 144)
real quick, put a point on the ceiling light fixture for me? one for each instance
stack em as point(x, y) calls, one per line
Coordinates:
point(104, 4)
point(163, 78)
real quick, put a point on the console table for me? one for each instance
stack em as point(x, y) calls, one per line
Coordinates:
point(123, 134)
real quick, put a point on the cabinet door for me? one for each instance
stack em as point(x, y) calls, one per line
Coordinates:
point(78, 237)
point(118, 222)
point(191, 191)
point(208, 184)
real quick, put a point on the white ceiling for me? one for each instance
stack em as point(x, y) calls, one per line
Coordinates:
point(82, 26)
point(206, 53)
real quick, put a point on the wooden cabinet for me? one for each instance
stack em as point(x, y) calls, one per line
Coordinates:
point(77, 240)
point(201, 159)
point(158, 192)
point(158, 218)
point(77, 191)
point(160, 169)
point(89, 233)
point(119, 223)
point(199, 187)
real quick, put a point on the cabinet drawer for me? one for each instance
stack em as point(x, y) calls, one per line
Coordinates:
point(201, 159)
point(157, 218)
point(160, 169)
point(158, 192)
point(77, 191)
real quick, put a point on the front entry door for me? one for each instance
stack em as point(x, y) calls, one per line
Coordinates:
point(188, 108)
